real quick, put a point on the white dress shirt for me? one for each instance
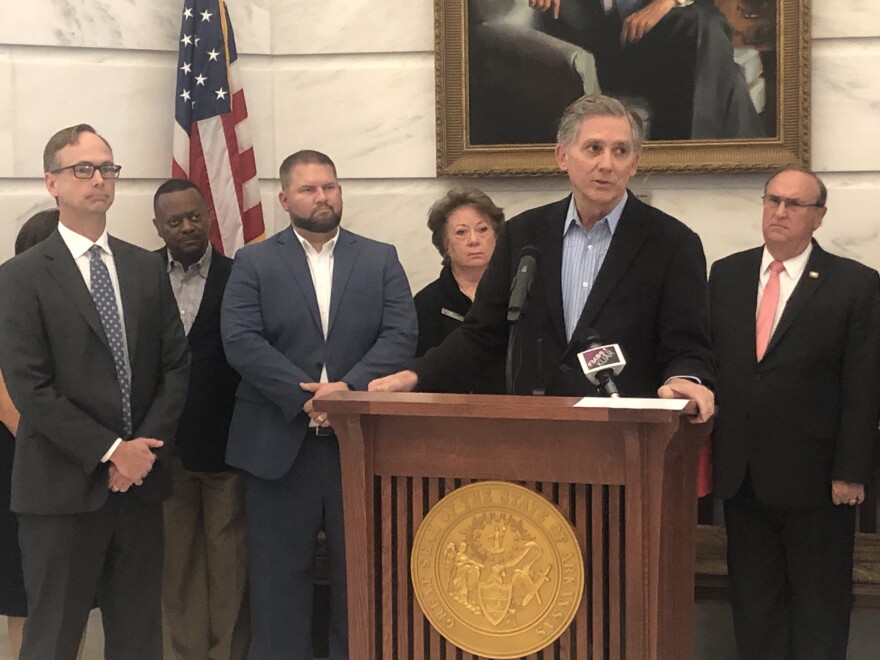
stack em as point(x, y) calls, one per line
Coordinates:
point(321, 269)
point(788, 279)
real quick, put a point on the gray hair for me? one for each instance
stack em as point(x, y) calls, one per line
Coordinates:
point(596, 105)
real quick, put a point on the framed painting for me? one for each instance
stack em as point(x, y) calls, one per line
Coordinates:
point(720, 85)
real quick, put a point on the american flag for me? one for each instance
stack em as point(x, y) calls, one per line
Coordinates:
point(212, 141)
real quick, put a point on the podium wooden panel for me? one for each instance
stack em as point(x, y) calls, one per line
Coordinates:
point(626, 479)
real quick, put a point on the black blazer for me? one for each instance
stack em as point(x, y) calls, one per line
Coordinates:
point(59, 370)
point(441, 308)
point(807, 413)
point(204, 424)
point(649, 296)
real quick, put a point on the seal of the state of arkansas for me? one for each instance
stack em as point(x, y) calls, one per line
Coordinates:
point(497, 570)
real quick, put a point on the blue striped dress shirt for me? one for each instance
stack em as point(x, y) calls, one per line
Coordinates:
point(582, 255)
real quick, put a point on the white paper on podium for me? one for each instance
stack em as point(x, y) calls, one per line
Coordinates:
point(631, 403)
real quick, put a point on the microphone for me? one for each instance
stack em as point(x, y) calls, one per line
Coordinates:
point(522, 282)
point(601, 363)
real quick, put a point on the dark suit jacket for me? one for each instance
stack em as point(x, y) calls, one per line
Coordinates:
point(59, 370)
point(441, 307)
point(204, 424)
point(649, 297)
point(273, 337)
point(807, 413)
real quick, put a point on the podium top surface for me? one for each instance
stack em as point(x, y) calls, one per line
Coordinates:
point(419, 404)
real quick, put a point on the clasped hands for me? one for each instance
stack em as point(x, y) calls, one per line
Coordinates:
point(320, 389)
point(131, 462)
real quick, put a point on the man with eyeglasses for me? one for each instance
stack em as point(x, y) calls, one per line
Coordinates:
point(796, 333)
point(95, 358)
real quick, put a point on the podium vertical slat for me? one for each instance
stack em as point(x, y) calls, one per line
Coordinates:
point(434, 637)
point(387, 577)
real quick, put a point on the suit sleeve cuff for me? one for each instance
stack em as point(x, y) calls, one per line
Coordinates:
point(106, 457)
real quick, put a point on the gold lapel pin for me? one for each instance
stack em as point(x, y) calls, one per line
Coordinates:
point(814, 274)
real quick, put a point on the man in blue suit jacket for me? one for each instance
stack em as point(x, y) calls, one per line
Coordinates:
point(312, 310)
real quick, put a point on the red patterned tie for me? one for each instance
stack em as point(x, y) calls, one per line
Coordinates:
point(767, 309)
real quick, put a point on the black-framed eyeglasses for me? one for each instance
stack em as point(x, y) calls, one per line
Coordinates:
point(87, 170)
point(790, 203)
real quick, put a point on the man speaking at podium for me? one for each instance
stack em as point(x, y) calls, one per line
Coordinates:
point(607, 264)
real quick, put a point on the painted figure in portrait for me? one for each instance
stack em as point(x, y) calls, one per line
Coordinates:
point(691, 69)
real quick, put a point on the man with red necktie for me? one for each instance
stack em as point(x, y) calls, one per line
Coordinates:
point(796, 333)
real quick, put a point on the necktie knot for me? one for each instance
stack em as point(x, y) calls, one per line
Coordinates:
point(776, 266)
point(95, 252)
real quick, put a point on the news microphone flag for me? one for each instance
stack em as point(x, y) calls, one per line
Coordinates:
point(212, 144)
point(597, 359)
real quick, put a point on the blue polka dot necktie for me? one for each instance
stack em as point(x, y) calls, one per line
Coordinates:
point(105, 302)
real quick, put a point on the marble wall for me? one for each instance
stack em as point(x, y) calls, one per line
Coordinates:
point(356, 79)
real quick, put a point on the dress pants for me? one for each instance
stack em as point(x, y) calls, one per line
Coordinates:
point(790, 577)
point(205, 580)
point(113, 554)
point(283, 519)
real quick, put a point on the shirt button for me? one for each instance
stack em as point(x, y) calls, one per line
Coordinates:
point(585, 284)
point(590, 246)
point(182, 312)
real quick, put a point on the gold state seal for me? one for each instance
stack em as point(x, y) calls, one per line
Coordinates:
point(497, 570)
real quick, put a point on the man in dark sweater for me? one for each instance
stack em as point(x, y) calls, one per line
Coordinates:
point(204, 581)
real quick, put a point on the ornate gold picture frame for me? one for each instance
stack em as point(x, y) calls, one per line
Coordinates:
point(771, 39)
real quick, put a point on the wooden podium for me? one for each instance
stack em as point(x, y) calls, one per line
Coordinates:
point(625, 478)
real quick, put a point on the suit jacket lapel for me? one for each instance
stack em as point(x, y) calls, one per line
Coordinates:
point(803, 291)
point(64, 270)
point(129, 290)
point(292, 253)
point(742, 300)
point(628, 239)
point(344, 255)
point(549, 242)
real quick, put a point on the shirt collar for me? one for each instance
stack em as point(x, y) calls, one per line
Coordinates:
point(794, 267)
point(79, 245)
point(202, 266)
point(611, 219)
point(326, 249)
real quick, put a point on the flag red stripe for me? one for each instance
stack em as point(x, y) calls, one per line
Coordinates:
point(248, 164)
point(239, 107)
point(198, 174)
point(252, 223)
point(234, 156)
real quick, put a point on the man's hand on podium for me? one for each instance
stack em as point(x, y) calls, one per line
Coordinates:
point(682, 388)
point(402, 381)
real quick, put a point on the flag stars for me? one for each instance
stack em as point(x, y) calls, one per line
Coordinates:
point(213, 55)
point(206, 16)
point(188, 12)
point(221, 94)
point(197, 41)
point(200, 80)
point(185, 95)
point(186, 68)
point(187, 40)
